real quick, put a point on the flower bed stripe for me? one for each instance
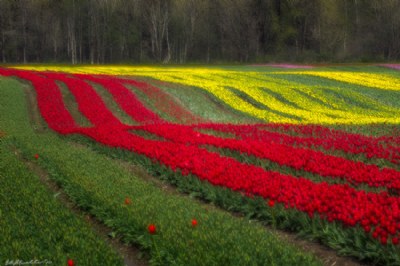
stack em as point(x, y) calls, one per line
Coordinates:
point(298, 158)
point(317, 136)
point(125, 99)
point(89, 102)
point(49, 99)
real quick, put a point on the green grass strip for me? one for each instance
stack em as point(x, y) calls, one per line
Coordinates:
point(35, 226)
point(206, 105)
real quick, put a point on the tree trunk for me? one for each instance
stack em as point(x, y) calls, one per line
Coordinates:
point(3, 50)
point(24, 33)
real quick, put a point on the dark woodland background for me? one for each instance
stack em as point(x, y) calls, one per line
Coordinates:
point(198, 31)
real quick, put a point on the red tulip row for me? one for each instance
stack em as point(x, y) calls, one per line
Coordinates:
point(382, 147)
point(89, 102)
point(318, 131)
point(298, 158)
point(375, 212)
point(125, 98)
point(49, 100)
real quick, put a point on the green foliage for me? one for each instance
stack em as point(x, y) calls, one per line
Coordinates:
point(35, 225)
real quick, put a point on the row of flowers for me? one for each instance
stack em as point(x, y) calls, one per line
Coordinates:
point(380, 81)
point(89, 102)
point(377, 213)
point(297, 158)
point(384, 147)
point(49, 99)
point(124, 98)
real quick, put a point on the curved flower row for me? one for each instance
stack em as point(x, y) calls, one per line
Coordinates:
point(316, 136)
point(125, 98)
point(297, 99)
point(377, 213)
point(380, 81)
point(298, 158)
point(49, 100)
point(89, 102)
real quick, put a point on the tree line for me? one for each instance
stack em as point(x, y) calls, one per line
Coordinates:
point(206, 31)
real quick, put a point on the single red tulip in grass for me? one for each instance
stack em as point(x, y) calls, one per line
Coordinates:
point(127, 201)
point(36, 156)
point(70, 262)
point(152, 229)
point(194, 223)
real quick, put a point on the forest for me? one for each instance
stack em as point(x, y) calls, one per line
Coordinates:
point(198, 31)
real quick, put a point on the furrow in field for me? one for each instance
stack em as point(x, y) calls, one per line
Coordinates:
point(72, 106)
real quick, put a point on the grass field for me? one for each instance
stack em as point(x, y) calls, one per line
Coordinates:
point(199, 165)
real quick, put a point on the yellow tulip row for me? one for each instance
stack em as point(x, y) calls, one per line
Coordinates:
point(269, 97)
point(380, 81)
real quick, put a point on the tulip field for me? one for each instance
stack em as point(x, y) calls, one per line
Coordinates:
point(242, 149)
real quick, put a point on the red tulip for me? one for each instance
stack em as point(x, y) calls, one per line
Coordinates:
point(194, 223)
point(152, 229)
point(395, 240)
point(271, 203)
point(36, 156)
point(127, 201)
point(70, 262)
